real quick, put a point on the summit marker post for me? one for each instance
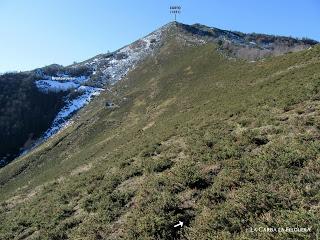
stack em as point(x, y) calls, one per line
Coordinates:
point(175, 10)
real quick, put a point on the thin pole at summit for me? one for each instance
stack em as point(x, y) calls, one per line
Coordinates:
point(175, 10)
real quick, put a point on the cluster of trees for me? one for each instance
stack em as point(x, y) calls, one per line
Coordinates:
point(79, 71)
point(25, 113)
point(74, 71)
point(255, 37)
point(290, 41)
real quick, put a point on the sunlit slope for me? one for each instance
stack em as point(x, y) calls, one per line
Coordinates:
point(220, 144)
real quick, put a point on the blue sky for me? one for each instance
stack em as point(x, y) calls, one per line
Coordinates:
point(36, 33)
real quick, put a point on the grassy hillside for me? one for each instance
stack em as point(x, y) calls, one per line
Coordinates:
point(223, 145)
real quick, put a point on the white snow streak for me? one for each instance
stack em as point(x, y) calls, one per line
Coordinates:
point(118, 65)
point(71, 107)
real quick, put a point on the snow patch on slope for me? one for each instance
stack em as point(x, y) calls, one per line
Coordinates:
point(108, 68)
point(114, 66)
point(64, 82)
point(58, 84)
point(71, 107)
point(55, 86)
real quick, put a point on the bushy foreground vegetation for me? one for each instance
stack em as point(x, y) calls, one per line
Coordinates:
point(223, 145)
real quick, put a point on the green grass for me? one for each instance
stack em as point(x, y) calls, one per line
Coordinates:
point(223, 145)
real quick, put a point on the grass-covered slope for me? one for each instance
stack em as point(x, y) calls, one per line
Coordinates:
point(222, 145)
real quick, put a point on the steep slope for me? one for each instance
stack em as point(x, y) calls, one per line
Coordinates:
point(222, 144)
point(75, 86)
point(25, 113)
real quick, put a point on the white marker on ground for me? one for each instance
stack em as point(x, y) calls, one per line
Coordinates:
point(179, 224)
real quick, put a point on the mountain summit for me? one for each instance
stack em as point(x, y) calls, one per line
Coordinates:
point(212, 128)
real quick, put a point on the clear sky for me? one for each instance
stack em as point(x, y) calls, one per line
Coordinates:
point(35, 33)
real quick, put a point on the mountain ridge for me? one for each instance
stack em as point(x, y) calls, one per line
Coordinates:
point(105, 69)
point(190, 134)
